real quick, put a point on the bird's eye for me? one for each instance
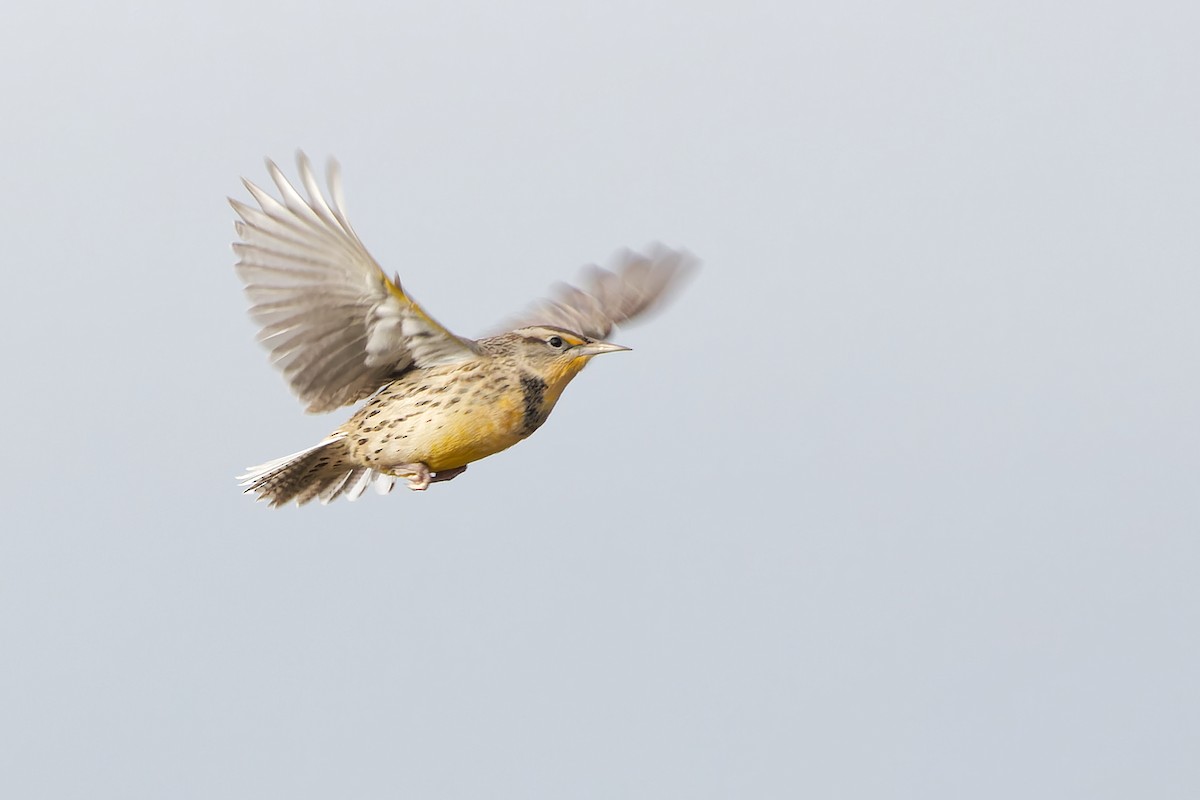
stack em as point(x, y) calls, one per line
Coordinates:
point(555, 341)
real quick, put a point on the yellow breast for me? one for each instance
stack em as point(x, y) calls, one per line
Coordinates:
point(477, 431)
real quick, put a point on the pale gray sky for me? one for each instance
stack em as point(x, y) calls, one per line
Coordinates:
point(897, 501)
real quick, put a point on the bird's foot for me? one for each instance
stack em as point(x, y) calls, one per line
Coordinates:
point(448, 474)
point(418, 475)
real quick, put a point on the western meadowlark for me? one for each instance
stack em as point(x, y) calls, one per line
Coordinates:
point(341, 331)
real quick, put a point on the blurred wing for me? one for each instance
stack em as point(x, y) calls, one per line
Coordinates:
point(335, 324)
point(637, 284)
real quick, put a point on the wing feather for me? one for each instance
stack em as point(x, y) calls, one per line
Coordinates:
point(335, 324)
point(636, 285)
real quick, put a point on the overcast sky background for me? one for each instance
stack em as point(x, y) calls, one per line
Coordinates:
point(898, 500)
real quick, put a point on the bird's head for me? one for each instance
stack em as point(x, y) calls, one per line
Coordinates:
point(554, 354)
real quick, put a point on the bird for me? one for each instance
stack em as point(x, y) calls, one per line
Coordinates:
point(341, 331)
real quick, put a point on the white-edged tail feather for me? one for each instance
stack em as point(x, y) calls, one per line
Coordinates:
point(323, 472)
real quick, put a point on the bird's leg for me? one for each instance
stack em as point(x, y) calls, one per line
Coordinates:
point(448, 474)
point(417, 474)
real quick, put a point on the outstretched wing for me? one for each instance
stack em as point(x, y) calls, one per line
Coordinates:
point(335, 324)
point(637, 284)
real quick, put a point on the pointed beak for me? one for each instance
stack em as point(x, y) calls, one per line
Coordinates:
point(596, 348)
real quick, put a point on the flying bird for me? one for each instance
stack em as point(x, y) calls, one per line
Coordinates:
point(341, 331)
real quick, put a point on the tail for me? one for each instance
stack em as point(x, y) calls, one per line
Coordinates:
point(324, 472)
